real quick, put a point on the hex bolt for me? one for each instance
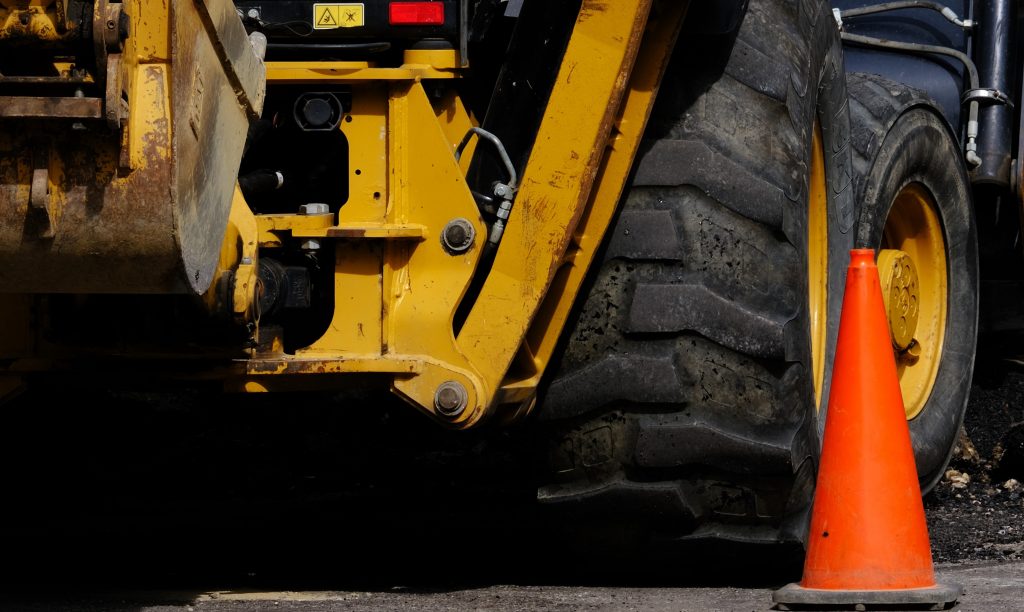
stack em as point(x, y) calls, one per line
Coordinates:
point(78, 126)
point(451, 399)
point(502, 190)
point(458, 236)
point(253, 14)
point(315, 208)
point(310, 245)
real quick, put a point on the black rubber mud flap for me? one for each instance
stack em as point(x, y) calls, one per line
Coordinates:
point(683, 406)
point(899, 137)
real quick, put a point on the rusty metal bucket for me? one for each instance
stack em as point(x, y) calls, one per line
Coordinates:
point(118, 178)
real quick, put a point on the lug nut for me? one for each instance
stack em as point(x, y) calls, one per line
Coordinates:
point(458, 235)
point(314, 209)
point(451, 399)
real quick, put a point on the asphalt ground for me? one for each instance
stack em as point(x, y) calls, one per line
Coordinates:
point(187, 501)
point(987, 587)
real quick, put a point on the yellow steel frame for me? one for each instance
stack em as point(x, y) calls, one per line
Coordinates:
point(397, 289)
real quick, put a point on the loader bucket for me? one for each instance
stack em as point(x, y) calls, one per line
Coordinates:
point(117, 168)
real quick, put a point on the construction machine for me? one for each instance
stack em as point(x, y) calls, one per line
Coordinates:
point(624, 223)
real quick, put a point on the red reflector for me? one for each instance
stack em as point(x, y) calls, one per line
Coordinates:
point(416, 13)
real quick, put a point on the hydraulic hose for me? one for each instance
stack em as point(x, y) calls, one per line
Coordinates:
point(947, 12)
point(971, 150)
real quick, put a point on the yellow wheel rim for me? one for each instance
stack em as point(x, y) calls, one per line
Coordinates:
point(817, 261)
point(913, 270)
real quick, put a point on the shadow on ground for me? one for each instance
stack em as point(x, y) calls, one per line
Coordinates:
point(195, 491)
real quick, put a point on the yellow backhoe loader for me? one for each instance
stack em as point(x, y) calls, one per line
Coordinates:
point(627, 221)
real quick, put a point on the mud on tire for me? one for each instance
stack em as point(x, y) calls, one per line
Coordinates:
point(684, 402)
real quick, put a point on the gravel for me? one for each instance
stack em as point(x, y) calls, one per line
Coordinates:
point(976, 513)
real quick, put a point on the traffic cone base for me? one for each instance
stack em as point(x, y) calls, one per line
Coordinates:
point(868, 540)
point(938, 597)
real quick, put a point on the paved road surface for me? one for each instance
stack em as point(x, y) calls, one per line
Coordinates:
point(989, 588)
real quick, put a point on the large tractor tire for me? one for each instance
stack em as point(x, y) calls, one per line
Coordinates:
point(686, 400)
point(916, 201)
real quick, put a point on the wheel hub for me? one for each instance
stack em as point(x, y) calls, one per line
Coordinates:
point(912, 267)
point(901, 293)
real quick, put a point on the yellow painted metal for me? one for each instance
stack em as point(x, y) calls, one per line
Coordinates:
point(396, 289)
point(395, 300)
point(442, 59)
point(298, 73)
point(423, 283)
point(238, 265)
point(32, 20)
point(556, 185)
point(520, 386)
point(350, 364)
point(393, 231)
point(366, 128)
point(817, 261)
point(396, 295)
point(456, 122)
point(150, 40)
point(387, 124)
point(357, 328)
point(273, 228)
point(914, 228)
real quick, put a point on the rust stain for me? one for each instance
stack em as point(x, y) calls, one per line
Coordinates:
point(347, 233)
point(591, 8)
point(55, 107)
point(568, 76)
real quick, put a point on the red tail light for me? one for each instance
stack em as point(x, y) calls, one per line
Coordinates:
point(416, 13)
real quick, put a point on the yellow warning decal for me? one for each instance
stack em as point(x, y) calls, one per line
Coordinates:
point(331, 16)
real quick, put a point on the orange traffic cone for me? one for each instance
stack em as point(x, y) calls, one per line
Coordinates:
point(868, 542)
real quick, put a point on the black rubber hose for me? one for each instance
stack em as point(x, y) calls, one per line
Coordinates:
point(946, 11)
point(972, 71)
point(869, 41)
point(260, 182)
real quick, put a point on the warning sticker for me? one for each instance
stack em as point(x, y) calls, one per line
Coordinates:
point(331, 16)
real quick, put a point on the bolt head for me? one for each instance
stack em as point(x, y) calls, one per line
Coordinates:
point(311, 245)
point(451, 399)
point(458, 236)
point(253, 14)
point(317, 112)
point(315, 208)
